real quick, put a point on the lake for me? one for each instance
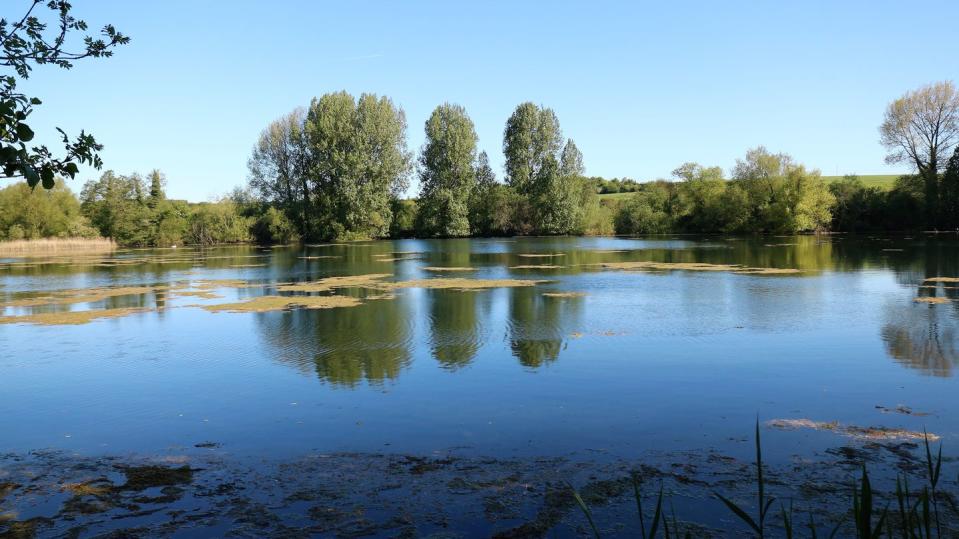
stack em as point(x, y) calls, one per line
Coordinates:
point(599, 350)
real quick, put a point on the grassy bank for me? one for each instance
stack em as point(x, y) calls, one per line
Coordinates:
point(883, 181)
point(53, 246)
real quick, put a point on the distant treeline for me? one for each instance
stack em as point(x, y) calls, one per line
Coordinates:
point(339, 168)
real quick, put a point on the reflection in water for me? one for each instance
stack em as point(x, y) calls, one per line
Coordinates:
point(344, 346)
point(538, 325)
point(454, 329)
point(923, 337)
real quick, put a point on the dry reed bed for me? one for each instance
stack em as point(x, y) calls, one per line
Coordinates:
point(50, 246)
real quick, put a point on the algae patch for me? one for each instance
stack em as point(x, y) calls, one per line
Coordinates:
point(457, 283)
point(447, 268)
point(372, 280)
point(862, 433)
point(71, 317)
point(264, 304)
point(564, 294)
point(81, 295)
point(697, 266)
point(935, 300)
point(536, 266)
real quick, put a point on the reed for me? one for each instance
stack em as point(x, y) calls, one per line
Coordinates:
point(914, 514)
point(56, 246)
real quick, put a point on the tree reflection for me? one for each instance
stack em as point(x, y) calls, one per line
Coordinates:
point(454, 329)
point(344, 347)
point(538, 325)
point(924, 337)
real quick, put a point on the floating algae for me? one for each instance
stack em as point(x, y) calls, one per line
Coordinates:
point(540, 255)
point(447, 268)
point(331, 283)
point(564, 294)
point(457, 283)
point(862, 433)
point(943, 279)
point(397, 259)
point(319, 257)
point(71, 317)
point(203, 294)
point(696, 266)
point(264, 304)
point(208, 284)
point(81, 295)
point(935, 300)
point(536, 266)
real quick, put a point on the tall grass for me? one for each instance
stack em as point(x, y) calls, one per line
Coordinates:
point(914, 516)
point(54, 246)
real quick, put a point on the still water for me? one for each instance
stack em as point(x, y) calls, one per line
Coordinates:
point(632, 360)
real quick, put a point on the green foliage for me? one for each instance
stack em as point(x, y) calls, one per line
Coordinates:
point(358, 163)
point(279, 168)
point(26, 42)
point(218, 222)
point(542, 172)
point(404, 218)
point(783, 197)
point(758, 524)
point(447, 175)
point(122, 208)
point(950, 192)
point(116, 207)
point(273, 226)
point(648, 211)
point(26, 213)
point(531, 142)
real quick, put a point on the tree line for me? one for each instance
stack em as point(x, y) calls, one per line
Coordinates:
point(338, 169)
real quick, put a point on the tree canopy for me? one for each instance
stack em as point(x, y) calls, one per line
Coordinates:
point(28, 42)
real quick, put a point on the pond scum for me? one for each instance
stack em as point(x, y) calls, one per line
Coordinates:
point(395, 495)
point(929, 513)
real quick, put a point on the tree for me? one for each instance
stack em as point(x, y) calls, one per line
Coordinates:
point(532, 137)
point(782, 196)
point(358, 163)
point(27, 213)
point(115, 206)
point(447, 175)
point(920, 128)
point(646, 212)
point(23, 44)
point(279, 168)
point(156, 189)
point(554, 200)
point(701, 194)
point(950, 192)
point(537, 170)
point(571, 161)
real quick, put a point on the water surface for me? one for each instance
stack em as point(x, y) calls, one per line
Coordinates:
point(640, 361)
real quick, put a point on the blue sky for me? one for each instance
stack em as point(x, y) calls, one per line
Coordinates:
point(641, 87)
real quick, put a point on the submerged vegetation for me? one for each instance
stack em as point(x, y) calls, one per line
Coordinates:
point(908, 514)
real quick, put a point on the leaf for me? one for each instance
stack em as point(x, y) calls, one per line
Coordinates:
point(738, 512)
point(31, 175)
point(46, 174)
point(24, 132)
point(585, 509)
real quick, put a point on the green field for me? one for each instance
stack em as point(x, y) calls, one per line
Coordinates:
point(884, 181)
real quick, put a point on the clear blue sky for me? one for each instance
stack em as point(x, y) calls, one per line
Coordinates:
point(641, 87)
